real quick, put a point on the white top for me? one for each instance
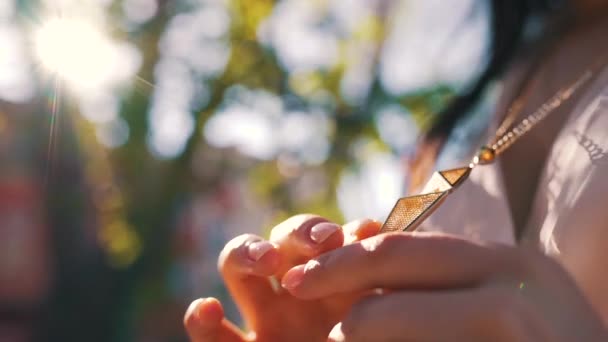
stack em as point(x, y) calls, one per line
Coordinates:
point(569, 214)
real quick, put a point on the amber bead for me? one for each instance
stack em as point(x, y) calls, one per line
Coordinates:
point(486, 155)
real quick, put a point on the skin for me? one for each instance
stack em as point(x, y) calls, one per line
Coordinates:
point(435, 287)
point(472, 291)
point(276, 315)
point(534, 148)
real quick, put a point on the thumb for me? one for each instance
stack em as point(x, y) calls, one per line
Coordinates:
point(204, 321)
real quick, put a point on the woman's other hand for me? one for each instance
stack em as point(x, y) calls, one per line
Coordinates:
point(272, 314)
point(442, 288)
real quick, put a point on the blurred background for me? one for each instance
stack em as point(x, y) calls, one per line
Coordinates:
point(138, 136)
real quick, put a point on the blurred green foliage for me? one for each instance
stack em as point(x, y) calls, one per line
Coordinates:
point(153, 189)
point(138, 197)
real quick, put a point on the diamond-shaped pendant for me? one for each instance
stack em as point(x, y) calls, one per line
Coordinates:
point(409, 212)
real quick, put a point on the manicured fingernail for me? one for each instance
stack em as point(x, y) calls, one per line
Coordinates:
point(323, 231)
point(293, 278)
point(336, 334)
point(257, 250)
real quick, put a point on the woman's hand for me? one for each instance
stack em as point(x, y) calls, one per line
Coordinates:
point(247, 262)
point(442, 288)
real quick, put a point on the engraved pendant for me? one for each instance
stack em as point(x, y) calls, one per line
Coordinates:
point(409, 212)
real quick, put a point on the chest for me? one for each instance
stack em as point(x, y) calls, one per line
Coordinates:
point(572, 189)
point(557, 179)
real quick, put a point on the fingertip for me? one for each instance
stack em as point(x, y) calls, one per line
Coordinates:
point(232, 252)
point(306, 236)
point(297, 280)
point(204, 321)
point(249, 255)
point(191, 313)
point(256, 250)
point(320, 238)
point(204, 312)
point(293, 278)
point(264, 257)
point(321, 232)
point(368, 229)
point(210, 310)
point(361, 229)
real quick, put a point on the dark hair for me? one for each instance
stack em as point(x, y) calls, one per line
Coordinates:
point(508, 25)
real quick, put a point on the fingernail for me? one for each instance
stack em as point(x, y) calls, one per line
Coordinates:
point(336, 334)
point(258, 249)
point(293, 278)
point(323, 231)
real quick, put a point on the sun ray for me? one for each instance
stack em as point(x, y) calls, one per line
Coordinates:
point(142, 86)
point(55, 104)
point(145, 82)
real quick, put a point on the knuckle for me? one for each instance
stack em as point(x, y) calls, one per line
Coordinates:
point(384, 246)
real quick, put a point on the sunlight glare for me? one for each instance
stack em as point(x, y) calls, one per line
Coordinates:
point(76, 51)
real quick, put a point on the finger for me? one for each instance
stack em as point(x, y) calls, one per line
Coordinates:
point(248, 255)
point(245, 263)
point(396, 261)
point(360, 230)
point(463, 315)
point(302, 237)
point(205, 322)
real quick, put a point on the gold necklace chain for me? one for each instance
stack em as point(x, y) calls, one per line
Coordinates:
point(409, 212)
point(506, 137)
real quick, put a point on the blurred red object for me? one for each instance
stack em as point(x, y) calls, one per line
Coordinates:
point(25, 258)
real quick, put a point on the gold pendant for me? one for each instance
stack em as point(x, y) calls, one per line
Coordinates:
point(409, 212)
